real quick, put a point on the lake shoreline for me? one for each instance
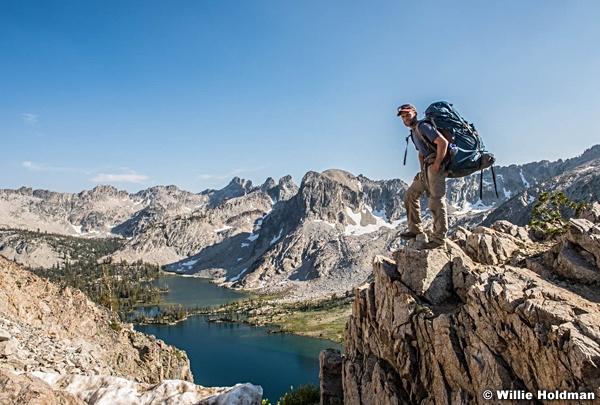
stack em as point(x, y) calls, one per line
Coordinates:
point(285, 318)
point(321, 318)
point(247, 331)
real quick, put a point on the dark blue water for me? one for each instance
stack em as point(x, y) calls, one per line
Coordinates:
point(224, 354)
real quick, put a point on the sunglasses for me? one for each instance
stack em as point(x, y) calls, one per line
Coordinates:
point(405, 107)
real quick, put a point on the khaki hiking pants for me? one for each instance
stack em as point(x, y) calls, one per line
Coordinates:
point(435, 186)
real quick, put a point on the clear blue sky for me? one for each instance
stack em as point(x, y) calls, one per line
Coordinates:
point(193, 93)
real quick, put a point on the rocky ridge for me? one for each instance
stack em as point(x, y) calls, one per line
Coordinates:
point(279, 237)
point(581, 183)
point(493, 310)
point(55, 343)
point(162, 224)
point(318, 241)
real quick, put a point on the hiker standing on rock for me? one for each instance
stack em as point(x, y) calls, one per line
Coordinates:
point(431, 148)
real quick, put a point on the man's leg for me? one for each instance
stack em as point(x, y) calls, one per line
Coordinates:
point(412, 204)
point(437, 205)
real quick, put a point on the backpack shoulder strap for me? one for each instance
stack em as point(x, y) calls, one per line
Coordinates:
point(406, 150)
point(423, 138)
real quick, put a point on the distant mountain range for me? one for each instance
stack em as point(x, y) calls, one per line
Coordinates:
point(310, 239)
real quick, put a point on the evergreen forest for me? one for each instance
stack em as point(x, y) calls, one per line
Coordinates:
point(85, 264)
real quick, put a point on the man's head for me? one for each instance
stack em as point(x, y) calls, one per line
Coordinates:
point(408, 113)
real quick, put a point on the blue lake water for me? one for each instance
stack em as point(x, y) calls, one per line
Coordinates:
point(192, 291)
point(224, 354)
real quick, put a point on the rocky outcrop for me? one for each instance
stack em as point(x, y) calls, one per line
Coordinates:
point(495, 245)
point(331, 387)
point(576, 255)
point(285, 189)
point(55, 343)
point(26, 388)
point(579, 256)
point(443, 326)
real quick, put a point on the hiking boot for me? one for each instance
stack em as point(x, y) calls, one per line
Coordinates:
point(433, 244)
point(408, 235)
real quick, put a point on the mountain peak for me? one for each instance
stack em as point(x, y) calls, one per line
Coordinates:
point(268, 184)
point(343, 177)
point(245, 184)
point(101, 190)
point(237, 187)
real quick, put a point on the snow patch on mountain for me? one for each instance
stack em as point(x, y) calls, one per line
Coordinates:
point(109, 390)
point(276, 238)
point(525, 182)
point(236, 278)
point(479, 206)
point(357, 218)
point(189, 263)
point(326, 222)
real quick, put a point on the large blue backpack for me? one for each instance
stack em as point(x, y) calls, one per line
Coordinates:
point(466, 151)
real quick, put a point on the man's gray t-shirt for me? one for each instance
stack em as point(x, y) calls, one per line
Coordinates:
point(428, 131)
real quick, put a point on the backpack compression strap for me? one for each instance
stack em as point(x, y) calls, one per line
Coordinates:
point(481, 183)
point(481, 186)
point(494, 177)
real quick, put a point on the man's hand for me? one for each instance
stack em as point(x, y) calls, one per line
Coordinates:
point(435, 168)
point(416, 176)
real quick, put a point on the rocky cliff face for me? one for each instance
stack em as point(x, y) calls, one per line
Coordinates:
point(490, 311)
point(55, 343)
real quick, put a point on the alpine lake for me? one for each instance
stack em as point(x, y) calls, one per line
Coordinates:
point(227, 353)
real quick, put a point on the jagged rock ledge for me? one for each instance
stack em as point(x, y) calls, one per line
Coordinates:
point(445, 325)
